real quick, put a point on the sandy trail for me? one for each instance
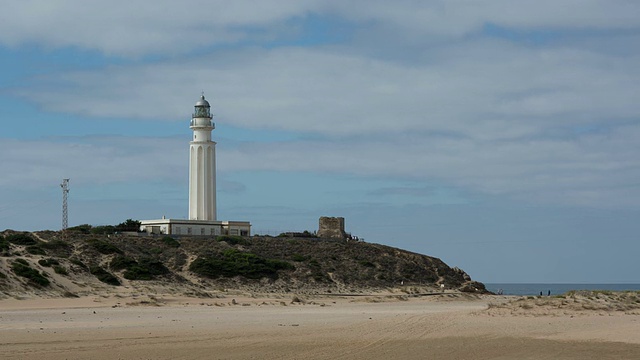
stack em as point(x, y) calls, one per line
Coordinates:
point(341, 329)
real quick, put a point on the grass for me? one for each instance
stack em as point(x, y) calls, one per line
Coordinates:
point(21, 268)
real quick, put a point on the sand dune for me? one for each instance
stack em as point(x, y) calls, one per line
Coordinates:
point(250, 327)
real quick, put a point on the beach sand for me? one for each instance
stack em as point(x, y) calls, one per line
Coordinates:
point(254, 327)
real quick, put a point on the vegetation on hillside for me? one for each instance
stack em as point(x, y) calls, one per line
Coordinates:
point(270, 263)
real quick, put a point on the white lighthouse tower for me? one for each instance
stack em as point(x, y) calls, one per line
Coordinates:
point(202, 164)
point(202, 187)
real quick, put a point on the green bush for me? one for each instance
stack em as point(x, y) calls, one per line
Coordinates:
point(2, 275)
point(48, 262)
point(367, 263)
point(128, 225)
point(103, 230)
point(232, 239)
point(104, 276)
point(22, 268)
point(146, 269)
point(79, 263)
point(4, 244)
point(236, 263)
point(170, 242)
point(82, 229)
point(104, 247)
point(60, 270)
point(299, 258)
point(21, 239)
point(55, 245)
point(35, 250)
point(122, 262)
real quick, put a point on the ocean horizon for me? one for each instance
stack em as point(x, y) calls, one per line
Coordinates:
point(554, 289)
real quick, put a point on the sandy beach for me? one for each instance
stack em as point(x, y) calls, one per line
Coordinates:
point(250, 327)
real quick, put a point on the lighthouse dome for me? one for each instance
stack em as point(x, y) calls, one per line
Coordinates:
point(202, 102)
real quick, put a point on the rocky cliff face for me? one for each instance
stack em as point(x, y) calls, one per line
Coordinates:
point(51, 264)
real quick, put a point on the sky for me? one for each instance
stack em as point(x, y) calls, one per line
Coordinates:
point(499, 136)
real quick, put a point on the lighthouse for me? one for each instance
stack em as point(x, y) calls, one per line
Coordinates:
point(203, 219)
point(202, 164)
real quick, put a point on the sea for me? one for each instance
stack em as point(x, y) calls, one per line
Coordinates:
point(555, 289)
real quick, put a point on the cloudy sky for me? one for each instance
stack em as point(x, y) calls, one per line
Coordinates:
point(500, 136)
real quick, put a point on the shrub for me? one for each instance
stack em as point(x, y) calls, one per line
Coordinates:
point(236, 263)
point(103, 230)
point(299, 258)
point(367, 263)
point(21, 239)
point(83, 229)
point(48, 262)
point(2, 275)
point(104, 247)
point(146, 269)
point(35, 250)
point(60, 270)
point(122, 262)
point(79, 263)
point(170, 242)
point(22, 268)
point(128, 225)
point(104, 276)
point(232, 239)
point(55, 245)
point(4, 244)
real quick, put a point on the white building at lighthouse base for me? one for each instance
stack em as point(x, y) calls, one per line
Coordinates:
point(195, 227)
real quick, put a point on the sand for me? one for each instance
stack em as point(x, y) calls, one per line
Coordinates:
point(254, 327)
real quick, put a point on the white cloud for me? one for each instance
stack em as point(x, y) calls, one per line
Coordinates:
point(91, 160)
point(595, 170)
point(136, 28)
point(487, 90)
point(540, 123)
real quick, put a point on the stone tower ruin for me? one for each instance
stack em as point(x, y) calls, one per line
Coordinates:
point(331, 227)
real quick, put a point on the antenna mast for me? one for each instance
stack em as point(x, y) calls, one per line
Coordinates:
point(65, 213)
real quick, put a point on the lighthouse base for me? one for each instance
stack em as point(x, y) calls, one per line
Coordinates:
point(195, 227)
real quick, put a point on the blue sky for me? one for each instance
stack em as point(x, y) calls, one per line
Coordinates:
point(499, 136)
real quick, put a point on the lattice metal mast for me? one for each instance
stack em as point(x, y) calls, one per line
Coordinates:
point(65, 213)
